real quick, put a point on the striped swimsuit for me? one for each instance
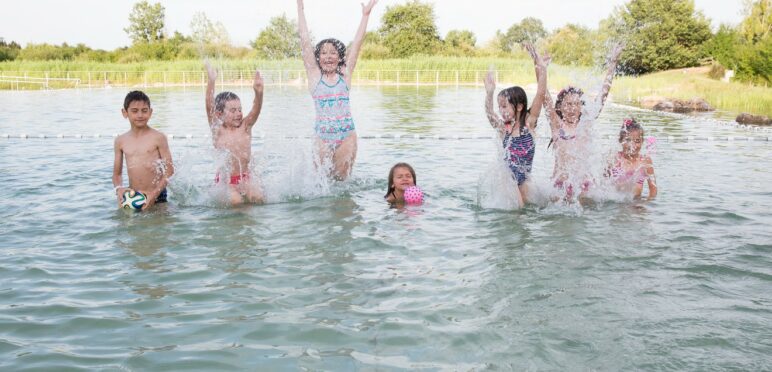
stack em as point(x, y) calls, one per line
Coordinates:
point(518, 153)
point(333, 113)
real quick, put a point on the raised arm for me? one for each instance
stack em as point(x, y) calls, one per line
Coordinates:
point(211, 78)
point(257, 105)
point(307, 51)
point(490, 86)
point(540, 65)
point(611, 67)
point(356, 45)
point(554, 119)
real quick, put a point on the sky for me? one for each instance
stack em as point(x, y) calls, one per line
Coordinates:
point(100, 23)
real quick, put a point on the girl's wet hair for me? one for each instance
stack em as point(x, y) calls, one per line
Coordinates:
point(135, 95)
point(516, 96)
point(390, 186)
point(338, 45)
point(562, 95)
point(221, 99)
point(629, 125)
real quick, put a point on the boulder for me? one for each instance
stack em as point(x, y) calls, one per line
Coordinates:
point(675, 105)
point(746, 118)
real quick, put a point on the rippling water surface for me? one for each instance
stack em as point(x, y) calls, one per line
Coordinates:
point(334, 279)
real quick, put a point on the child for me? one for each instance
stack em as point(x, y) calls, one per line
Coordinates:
point(148, 159)
point(232, 134)
point(329, 71)
point(629, 170)
point(518, 123)
point(401, 176)
point(570, 138)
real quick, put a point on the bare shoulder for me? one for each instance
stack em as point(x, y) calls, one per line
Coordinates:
point(157, 134)
point(121, 139)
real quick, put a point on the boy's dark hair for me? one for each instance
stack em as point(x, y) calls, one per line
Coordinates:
point(341, 52)
point(562, 95)
point(390, 186)
point(516, 96)
point(136, 95)
point(221, 99)
point(629, 125)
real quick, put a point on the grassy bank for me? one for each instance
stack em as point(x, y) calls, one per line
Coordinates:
point(690, 83)
point(685, 84)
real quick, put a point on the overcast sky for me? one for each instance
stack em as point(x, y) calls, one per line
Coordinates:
point(100, 23)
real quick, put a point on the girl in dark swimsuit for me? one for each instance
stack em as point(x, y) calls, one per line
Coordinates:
point(517, 122)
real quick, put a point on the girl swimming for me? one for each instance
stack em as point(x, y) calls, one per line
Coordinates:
point(401, 177)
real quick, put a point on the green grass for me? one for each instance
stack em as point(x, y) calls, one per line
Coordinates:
point(685, 84)
point(734, 97)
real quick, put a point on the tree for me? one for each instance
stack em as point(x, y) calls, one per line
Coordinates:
point(571, 45)
point(460, 42)
point(410, 29)
point(723, 46)
point(659, 34)
point(373, 48)
point(8, 51)
point(146, 23)
point(279, 39)
point(757, 24)
point(207, 32)
point(529, 29)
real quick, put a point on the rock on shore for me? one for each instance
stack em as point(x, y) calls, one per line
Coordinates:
point(746, 118)
point(675, 105)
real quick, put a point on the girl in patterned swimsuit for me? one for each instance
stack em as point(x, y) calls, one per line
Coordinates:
point(570, 125)
point(629, 170)
point(517, 121)
point(329, 71)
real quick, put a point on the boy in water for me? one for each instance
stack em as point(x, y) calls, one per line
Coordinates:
point(232, 134)
point(148, 159)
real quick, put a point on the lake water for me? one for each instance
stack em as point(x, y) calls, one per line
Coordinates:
point(328, 277)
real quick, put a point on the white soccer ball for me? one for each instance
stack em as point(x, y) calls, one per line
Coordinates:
point(133, 199)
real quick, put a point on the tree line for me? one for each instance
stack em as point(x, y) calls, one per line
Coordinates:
point(658, 35)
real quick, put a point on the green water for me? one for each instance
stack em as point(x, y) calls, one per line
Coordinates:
point(334, 279)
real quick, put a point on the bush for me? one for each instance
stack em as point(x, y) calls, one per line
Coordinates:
point(716, 71)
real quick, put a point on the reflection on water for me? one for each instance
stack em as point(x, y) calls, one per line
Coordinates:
point(334, 279)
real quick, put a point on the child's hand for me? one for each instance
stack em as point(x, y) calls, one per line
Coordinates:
point(539, 62)
point(119, 194)
point(211, 72)
point(258, 84)
point(366, 9)
point(490, 82)
point(149, 200)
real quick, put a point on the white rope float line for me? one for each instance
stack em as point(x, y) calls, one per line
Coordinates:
point(397, 137)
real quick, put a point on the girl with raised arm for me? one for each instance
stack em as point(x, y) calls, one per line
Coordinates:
point(330, 70)
point(517, 122)
point(570, 123)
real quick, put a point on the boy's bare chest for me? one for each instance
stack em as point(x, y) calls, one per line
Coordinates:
point(140, 149)
point(233, 140)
